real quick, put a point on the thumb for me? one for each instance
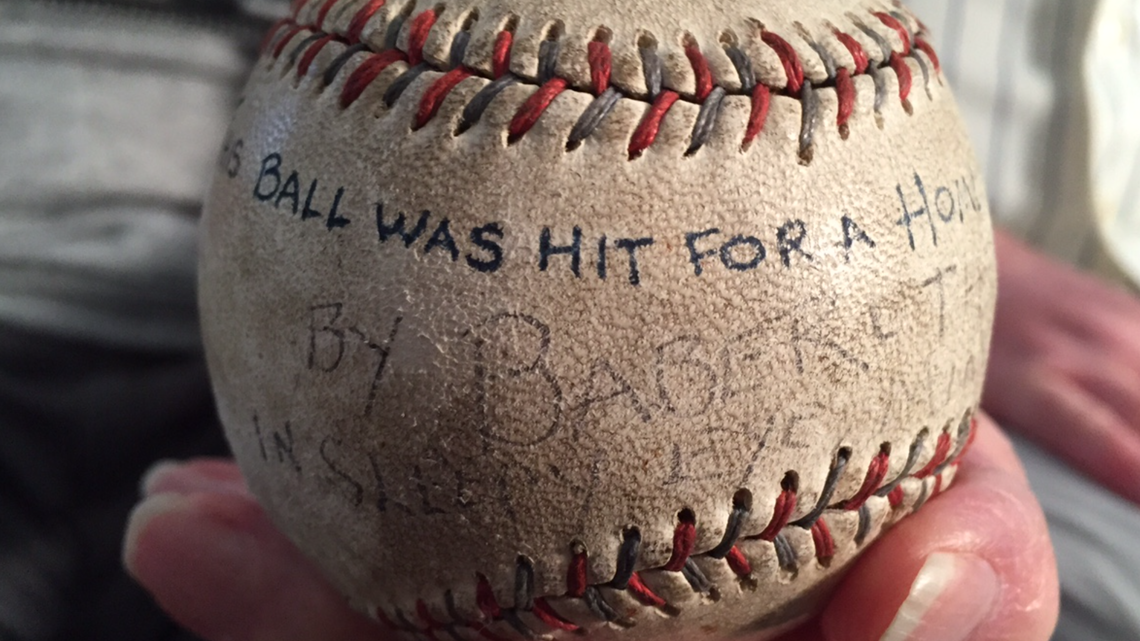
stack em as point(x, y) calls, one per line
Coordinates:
point(974, 565)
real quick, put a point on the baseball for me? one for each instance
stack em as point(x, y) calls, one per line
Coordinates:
point(636, 319)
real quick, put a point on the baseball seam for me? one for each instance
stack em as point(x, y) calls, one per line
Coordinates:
point(627, 579)
point(709, 94)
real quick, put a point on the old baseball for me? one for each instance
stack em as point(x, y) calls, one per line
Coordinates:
point(635, 318)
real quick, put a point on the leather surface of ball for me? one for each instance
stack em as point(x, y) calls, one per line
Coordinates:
point(640, 319)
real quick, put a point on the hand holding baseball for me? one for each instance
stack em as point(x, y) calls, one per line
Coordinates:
point(201, 544)
point(627, 321)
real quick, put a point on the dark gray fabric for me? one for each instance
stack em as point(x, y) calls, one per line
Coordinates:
point(110, 120)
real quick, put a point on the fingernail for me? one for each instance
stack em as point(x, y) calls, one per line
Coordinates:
point(189, 477)
point(951, 596)
point(152, 478)
point(141, 516)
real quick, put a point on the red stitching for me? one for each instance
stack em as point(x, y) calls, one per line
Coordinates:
point(738, 563)
point(547, 615)
point(898, 63)
point(294, 30)
point(858, 54)
point(940, 452)
point(893, 23)
point(845, 91)
point(758, 116)
point(385, 621)
point(600, 66)
point(324, 12)
point(793, 68)
point(310, 53)
point(363, 75)
point(297, 6)
point(924, 46)
point(435, 94)
point(356, 27)
point(423, 613)
point(268, 37)
point(576, 574)
point(781, 514)
point(600, 63)
point(684, 538)
point(701, 71)
point(650, 125)
point(533, 108)
point(643, 594)
point(501, 56)
point(485, 598)
point(876, 472)
point(896, 497)
point(417, 37)
point(824, 543)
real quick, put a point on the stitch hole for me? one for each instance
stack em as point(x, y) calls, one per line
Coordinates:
point(791, 482)
point(728, 38)
point(687, 516)
point(603, 35)
point(742, 500)
point(469, 20)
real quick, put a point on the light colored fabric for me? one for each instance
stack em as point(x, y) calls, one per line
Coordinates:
point(1111, 65)
point(111, 122)
point(1060, 153)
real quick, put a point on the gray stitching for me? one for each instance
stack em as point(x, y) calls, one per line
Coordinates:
point(654, 71)
point(548, 60)
point(837, 467)
point(898, 15)
point(882, 42)
point(810, 102)
point(627, 558)
point(296, 52)
point(864, 524)
point(731, 533)
point(706, 120)
point(401, 83)
point(512, 618)
point(338, 63)
point(697, 579)
point(473, 112)
point(597, 604)
point(963, 441)
point(743, 65)
point(922, 497)
point(880, 87)
point(524, 584)
point(925, 74)
point(592, 117)
point(911, 461)
point(392, 34)
point(785, 555)
point(825, 55)
point(458, 49)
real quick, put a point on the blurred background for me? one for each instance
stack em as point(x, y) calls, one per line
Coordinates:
point(111, 119)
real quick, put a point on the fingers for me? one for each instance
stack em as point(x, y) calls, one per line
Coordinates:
point(1083, 429)
point(974, 564)
point(207, 553)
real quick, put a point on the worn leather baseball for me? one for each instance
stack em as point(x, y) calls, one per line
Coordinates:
point(638, 318)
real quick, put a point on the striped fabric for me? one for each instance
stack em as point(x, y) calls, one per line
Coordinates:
point(1048, 89)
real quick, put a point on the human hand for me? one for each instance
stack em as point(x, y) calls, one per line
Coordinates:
point(203, 547)
point(1065, 365)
